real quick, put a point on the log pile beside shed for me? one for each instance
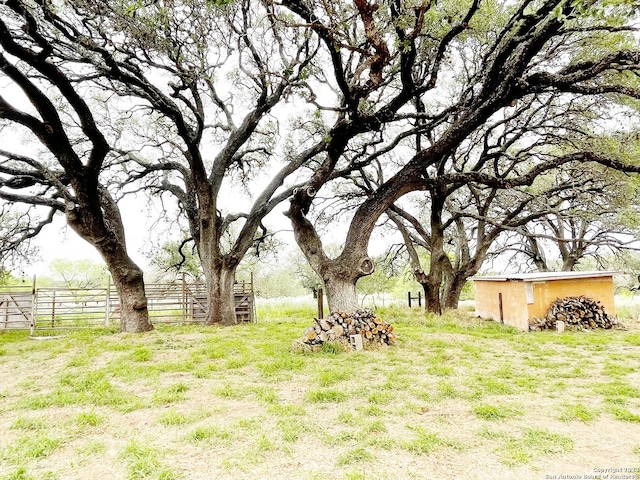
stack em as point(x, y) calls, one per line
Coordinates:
point(575, 313)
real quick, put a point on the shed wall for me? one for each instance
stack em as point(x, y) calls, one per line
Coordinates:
point(514, 301)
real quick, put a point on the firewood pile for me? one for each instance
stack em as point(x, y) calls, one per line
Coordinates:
point(577, 313)
point(339, 326)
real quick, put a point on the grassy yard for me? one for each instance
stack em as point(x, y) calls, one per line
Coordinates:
point(455, 398)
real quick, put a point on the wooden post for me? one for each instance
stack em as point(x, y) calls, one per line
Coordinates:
point(6, 312)
point(183, 299)
point(320, 303)
point(107, 304)
point(501, 309)
point(53, 309)
point(409, 298)
point(34, 306)
point(419, 298)
point(254, 311)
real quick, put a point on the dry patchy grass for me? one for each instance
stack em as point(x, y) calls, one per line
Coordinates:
point(457, 397)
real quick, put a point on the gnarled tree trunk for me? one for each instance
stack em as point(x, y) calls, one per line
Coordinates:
point(452, 290)
point(221, 300)
point(341, 293)
point(432, 296)
point(340, 276)
point(128, 280)
point(218, 269)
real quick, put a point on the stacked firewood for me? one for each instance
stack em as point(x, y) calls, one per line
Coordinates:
point(339, 326)
point(576, 313)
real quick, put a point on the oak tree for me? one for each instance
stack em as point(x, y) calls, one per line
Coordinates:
point(63, 171)
point(438, 74)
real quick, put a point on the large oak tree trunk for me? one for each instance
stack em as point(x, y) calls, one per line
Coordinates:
point(452, 290)
point(341, 293)
point(340, 276)
point(218, 269)
point(129, 283)
point(569, 262)
point(219, 282)
point(432, 297)
point(438, 261)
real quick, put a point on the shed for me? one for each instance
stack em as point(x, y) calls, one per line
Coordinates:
point(516, 299)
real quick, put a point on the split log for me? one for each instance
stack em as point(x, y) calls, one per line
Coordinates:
point(576, 313)
point(340, 325)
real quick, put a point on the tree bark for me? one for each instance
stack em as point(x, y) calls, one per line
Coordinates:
point(129, 283)
point(439, 262)
point(452, 290)
point(431, 289)
point(220, 296)
point(341, 293)
point(569, 262)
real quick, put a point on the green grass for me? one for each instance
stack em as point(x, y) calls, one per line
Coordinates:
point(425, 442)
point(89, 419)
point(143, 461)
point(496, 411)
point(330, 376)
point(28, 423)
point(19, 474)
point(325, 395)
point(246, 400)
point(90, 388)
point(534, 443)
point(282, 366)
point(623, 414)
point(292, 429)
point(355, 455)
point(170, 394)
point(31, 446)
point(209, 434)
point(618, 388)
point(578, 411)
point(175, 418)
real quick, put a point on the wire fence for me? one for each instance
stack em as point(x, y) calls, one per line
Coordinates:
point(47, 309)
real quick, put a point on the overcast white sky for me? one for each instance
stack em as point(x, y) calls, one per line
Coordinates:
point(60, 241)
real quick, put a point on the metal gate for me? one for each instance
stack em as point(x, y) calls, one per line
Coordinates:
point(16, 310)
point(49, 309)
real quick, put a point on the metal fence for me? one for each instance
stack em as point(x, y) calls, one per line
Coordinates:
point(46, 309)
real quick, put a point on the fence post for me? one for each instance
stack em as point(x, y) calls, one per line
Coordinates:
point(53, 309)
point(320, 303)
point(107, 304)
point(183, 307)
point(419, 298)
point(6, 313)
point(34, 306)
